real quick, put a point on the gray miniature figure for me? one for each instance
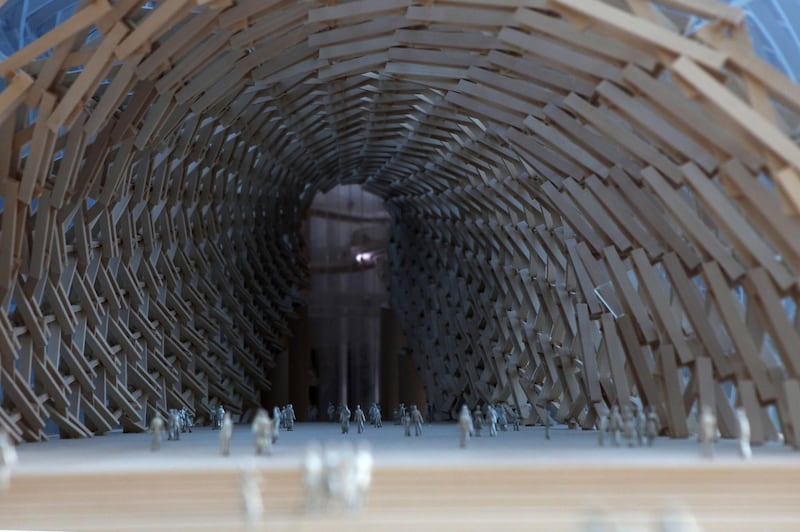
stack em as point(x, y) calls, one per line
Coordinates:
point(628, 427)
point(641, 425)
point(225, 434)
point(331, 412)
point(708, 431)
point(477, 420)
point(491, 420)
point(615, 424)
point(515, 418)
point(407, 424)
point(465, 426)
point(173, 425)
point(401, 410)
point(652, 426)
point(417, 420)
point(362, 474)
point(8, 457)
point(744, 434)
point(250, 492)
point(378, 421)
point(290, 417)
point(156, 427)
point(502, 418)
point(216, 417)
point(276, 423)
point(602, 428)
point(360, 419)
point(262, 428)
point(314, 477)
point(186, 420)
point(283, 417)
point(547, 423)
point(344, 419)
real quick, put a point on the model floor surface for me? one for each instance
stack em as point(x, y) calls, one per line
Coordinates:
point(516, 480)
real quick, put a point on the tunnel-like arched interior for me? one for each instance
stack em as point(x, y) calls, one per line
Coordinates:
point(586, 205)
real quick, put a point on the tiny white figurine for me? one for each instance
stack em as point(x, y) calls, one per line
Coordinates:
point(628, 427)
point(360, 419)
point(252, 505)
point(615, 424)
point(602, 428)
point(362, 475)
point(8, 457)
point(407, 424)
point(464, 426)
point(502, 418)
point(314, 477)
point(417, 420)
point(708, 431)
point(344, 419)
point(744, 434)
point(186, 420)
point(216, 417)
point(225, 434)
point(641, 425)
point(331, 412)
point(262, 428)
point(652, 426)
point(515, 418)
point(276, 423)
point(156, 427)
point(290, 417)
point(173, 425)
point(477, 420)
point(491, 420)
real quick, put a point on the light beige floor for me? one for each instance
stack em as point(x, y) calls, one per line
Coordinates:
point(517, 481)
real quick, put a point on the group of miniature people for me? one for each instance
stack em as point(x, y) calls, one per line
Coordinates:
point(265, 429)
point(344, 415)
point(178, 421)
point(635, 426)
point(492, 417)
point(337, 475)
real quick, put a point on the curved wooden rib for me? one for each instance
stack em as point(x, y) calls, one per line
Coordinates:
point(587, 206)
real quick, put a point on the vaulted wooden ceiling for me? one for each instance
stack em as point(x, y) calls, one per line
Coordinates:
point(587, 206)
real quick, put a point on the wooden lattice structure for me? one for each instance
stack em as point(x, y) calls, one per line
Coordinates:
point(586, 204)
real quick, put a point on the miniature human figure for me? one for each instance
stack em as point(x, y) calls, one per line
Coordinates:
point(156, 426)
point(502, 419)
point(491, 420)
point(378, 417)
point(331, 412)
point(173, 425)
point(477, 420)
point(628, 428)
point(417, 420)
point(641, 425)
point(225, 434)
point(362, 474)
point(344, 419)
point(314, 477)
point(407, 424)
point(290, 417)
point(708, 431)
point(371, 413)
point(214, 422)
point(262, 428)
point(8, 457)
point(744, 434)
point(252, 507)
point(276, 423)
point(652, 426)
point(602, 428)
point(360, 419)
point(547, 423)
point(465, 426)
point(186, 420)
point(514, 418)
point(283, 417)
point(216, 417)
point(615, 424)
point(402, 411)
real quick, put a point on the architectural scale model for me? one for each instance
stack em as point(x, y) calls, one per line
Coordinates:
point(593, 208)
